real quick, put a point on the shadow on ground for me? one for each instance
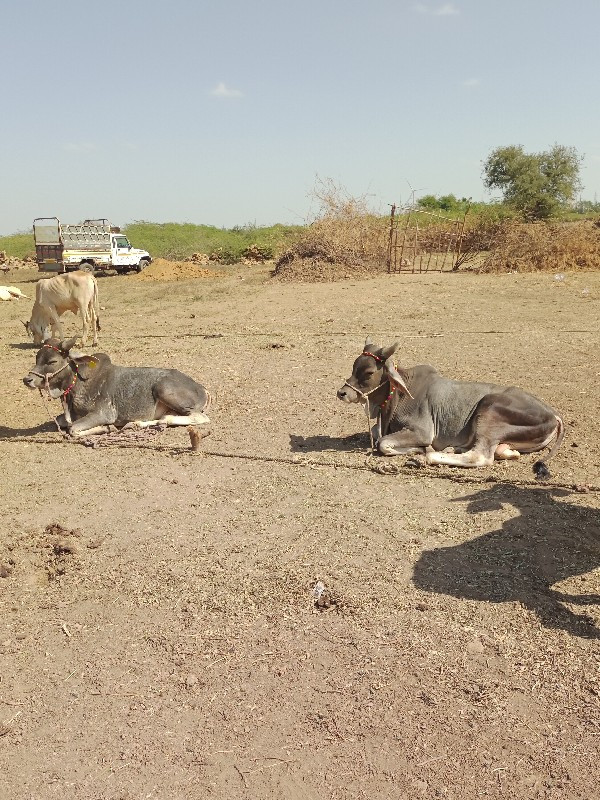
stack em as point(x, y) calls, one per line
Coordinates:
point(24, 346)
point(549, 541)
point(13, 433)
point(321, 444)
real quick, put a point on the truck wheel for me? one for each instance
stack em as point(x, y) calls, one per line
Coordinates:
point(142, 265)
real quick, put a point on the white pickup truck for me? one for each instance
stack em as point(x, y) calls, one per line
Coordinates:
point(89, 245)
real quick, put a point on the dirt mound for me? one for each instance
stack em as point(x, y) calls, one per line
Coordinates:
point(163, 270)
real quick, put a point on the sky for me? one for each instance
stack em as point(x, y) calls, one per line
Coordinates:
point(230, 112)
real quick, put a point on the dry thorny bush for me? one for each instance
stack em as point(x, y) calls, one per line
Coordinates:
point(558, 246)
point(348, 237)
point(345, 233)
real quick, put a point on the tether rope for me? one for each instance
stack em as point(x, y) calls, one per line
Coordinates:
point(370, 464)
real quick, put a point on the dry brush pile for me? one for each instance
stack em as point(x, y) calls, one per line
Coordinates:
point(544, 246)
point(347, 239)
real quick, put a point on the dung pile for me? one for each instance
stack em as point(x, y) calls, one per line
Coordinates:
point(162, 269)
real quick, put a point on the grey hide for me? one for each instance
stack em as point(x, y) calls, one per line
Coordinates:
point(443, 421)
point(97, 393)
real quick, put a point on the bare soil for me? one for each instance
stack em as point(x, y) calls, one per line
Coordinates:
point(159, 631)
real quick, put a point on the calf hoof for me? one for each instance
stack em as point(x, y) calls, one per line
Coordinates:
point(385, 448)
point(416, 461)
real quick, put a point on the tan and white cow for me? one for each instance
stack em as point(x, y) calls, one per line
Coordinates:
point(70, 291)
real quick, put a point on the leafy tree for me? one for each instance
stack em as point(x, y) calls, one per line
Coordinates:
point(536, 184)
point(446, 202)
point(429, 201)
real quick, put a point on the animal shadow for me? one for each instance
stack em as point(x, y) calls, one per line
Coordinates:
point(24, 346)
point(12, 433)
point(548, 541)
point(320, 444)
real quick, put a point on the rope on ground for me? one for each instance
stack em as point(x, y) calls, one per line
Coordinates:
point(324, 334)
point(370, 464)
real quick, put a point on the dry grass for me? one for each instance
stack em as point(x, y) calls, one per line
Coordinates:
point(345, 238)
point(553, 247)
point(347, 241)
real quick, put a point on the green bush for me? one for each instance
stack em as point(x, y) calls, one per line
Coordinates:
point(179, 240)
point(18, 245)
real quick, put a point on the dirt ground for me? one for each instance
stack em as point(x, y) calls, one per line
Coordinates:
point(159, 636)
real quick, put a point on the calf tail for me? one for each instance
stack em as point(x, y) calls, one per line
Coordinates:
point(541, 471)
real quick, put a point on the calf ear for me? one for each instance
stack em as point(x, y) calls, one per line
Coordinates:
point(85, 365)
point(386, 352)
point(368, 343)
point(66, 345)
point(396, 378)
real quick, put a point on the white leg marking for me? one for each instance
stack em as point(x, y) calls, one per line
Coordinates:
point(388, 449)
point(193, 419)
point(470, 459)
point(172, 419)
point(91, 431)
point(504, 451)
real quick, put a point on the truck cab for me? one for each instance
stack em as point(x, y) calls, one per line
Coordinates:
point(125, 256)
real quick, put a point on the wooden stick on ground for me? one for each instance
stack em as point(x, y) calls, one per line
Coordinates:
point(196, 436)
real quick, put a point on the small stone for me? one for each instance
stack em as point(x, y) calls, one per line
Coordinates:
point(475, 648)
point(191, 680)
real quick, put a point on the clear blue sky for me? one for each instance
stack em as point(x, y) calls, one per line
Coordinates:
point(223, 112)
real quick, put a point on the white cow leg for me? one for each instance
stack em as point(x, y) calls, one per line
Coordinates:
point(86, 329)
point(90, 431)
point(170, 420)
point(196, 418)
point(472, 458)
point(57, 328)
point(94, 324)
point(403, 443)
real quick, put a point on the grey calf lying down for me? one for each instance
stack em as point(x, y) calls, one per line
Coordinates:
point(442, 421)
point(96, 393)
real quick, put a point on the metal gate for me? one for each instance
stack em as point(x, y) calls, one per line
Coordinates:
point(420, 241)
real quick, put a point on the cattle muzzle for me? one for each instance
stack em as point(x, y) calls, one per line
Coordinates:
point(41, 380)
point(355, 395)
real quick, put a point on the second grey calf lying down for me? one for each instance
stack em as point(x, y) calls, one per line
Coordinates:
point(96, 393)
point(443, 421)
